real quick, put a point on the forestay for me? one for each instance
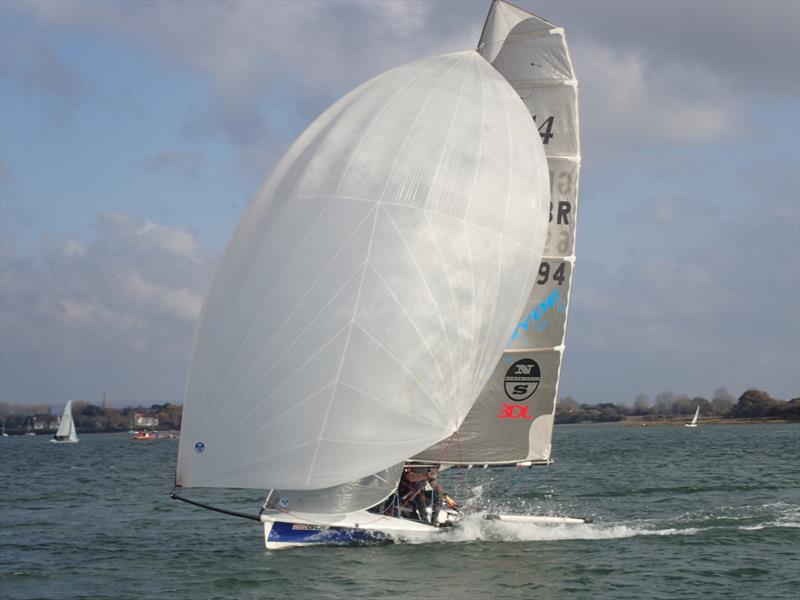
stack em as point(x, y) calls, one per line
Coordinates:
point(367, 295)
point(512, 420)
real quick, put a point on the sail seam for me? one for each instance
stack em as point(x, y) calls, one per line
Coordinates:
point(466, 229)
point(379, 443)
point(260, 311)
point(450, 397)
point(294, 407)
point(297, 149)
point(542, 83)
point(430, 294)
point(440, 213)
point(452, 297)
point(375, 119)
point(399, 363)
point(242, 466)
point(413, 128)
point(378, 400)
point(500, 245)
point(344, 351)
point(413, 323)
point(235, 414)
point(446, 143)
point(297, 306)
point(322, 348)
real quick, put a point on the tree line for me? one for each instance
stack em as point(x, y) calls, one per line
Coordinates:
point(752, 404)
point(89, 417)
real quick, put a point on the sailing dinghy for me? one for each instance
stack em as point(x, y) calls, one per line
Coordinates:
point(66, 427)
point(396, 294)
point(694, 419)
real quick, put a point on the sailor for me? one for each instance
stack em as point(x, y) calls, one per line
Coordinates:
point(411, 491)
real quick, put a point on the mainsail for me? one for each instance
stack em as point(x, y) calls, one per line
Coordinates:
point(367, 295)
point(512, 420)
point(66, 426)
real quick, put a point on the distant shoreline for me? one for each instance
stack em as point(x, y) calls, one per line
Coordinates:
point(639, 422)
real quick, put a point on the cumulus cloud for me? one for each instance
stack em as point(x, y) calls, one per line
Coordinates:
point(273, 66)
point(628, 100)
point(133, 293)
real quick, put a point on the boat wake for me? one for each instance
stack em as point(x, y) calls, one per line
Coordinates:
point(475, 527)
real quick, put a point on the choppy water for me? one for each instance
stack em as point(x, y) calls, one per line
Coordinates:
point(679, 513)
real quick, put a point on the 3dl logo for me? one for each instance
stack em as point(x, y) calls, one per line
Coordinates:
point(521, 381)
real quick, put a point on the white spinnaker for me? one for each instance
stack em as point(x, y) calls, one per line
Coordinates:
point(512, 419)
point(66, 427)
point(369, 290)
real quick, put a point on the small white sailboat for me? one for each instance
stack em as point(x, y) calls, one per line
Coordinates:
point(396, 294)
point(66, 433)
point(694, 419)
point(3, 429)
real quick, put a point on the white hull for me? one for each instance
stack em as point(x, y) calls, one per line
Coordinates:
point(282, 530)
point(55, 441)
point(690, 424)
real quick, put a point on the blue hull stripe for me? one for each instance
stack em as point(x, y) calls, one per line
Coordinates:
point(300, 533)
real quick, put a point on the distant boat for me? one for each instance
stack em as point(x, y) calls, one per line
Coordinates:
point(144, 435)
point(66, 428)
point(31, 421)
point(3, 432)
point(694, 420)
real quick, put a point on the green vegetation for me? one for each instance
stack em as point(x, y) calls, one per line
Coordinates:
point(752, 404)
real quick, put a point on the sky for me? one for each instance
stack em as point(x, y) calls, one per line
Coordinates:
point(133, 135)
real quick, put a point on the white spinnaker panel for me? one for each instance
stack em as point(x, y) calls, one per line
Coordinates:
point(368, 293)
point(348, 497)
point(512, 420)
point(65, 427)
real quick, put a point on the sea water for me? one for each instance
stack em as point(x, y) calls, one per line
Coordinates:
point(712, 512)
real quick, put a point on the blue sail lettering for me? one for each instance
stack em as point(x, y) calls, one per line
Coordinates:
point(537, 314)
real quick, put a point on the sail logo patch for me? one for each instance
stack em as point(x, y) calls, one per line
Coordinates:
point(514, 411)
point(522, 379)
point(199, 447)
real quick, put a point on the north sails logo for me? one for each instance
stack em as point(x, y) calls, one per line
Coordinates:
point(522, 379)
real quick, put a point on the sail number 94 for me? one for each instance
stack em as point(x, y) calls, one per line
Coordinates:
point(557, 274)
